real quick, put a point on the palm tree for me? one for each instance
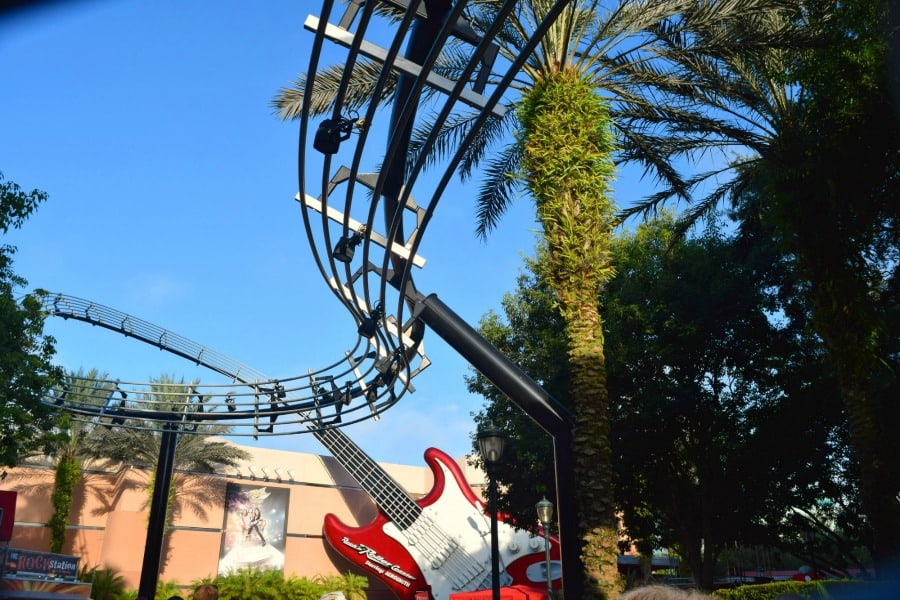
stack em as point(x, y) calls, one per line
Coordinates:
point(573, 106)
point(91, 388)
point(727, 99)
point(137, 443)
point(818, 172)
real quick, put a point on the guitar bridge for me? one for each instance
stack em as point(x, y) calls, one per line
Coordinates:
point(443, 553)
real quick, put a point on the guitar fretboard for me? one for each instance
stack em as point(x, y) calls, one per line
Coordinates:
point(386, 492)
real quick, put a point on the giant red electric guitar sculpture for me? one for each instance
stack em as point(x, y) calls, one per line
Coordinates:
point(441, 542)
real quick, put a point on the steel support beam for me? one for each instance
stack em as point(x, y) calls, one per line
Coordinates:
point(534, 401)
point(159, 503)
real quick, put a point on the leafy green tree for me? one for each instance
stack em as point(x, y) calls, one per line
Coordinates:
point(562, 154)
point(26, 372)
point(820, 174)
point(716, 439)
point(529, 332)
point(726, 425)
point(846, 245)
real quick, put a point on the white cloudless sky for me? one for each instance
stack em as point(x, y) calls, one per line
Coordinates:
point(171, 197)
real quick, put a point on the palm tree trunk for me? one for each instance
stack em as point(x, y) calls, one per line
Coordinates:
point(68, 474)
point(567, 159)
point(593, 470)
point(845, 315)
point(876, 489)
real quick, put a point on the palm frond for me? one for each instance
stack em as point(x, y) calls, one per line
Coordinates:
point(486, 139)
point(200, 454)
point(444, 139)
point(288, 103)
point(684, 78)
point(655, 159)
point(706, 206)
point(498, 189)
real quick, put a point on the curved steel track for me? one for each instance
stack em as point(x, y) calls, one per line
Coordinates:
point(341, 202)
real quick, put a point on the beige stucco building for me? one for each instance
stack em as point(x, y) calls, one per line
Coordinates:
point(108, 522)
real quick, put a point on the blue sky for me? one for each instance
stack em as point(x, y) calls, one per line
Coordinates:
point(172, 188)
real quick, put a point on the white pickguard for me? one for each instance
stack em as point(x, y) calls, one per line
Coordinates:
point(459, 559)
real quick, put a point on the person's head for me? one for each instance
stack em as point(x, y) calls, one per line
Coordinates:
point(662, 592)
point(207, 591)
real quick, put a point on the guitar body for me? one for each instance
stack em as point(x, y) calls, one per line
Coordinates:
point(446, 546)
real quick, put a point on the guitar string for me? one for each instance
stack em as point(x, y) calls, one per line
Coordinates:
point(461, 572)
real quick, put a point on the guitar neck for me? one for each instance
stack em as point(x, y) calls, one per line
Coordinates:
point(387, 493)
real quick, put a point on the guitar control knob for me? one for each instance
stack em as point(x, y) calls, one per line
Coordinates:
point(536, 543)
point(513, 547)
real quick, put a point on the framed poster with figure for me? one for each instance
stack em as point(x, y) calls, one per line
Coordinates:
point(253, 534)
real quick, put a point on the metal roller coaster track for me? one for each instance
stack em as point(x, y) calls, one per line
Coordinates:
point(251, 403)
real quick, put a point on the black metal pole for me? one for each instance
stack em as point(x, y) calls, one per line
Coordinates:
point(534, 401)
point(547, 560)
point(159, 503)
point(495, 546)
point(552, 416)
point(424, 33)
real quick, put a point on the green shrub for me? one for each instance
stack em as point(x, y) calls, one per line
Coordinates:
point(353, 586)
point(165, 590)
point(814, 590)
point(106, 583)
point(251, 583)
point(270, 584)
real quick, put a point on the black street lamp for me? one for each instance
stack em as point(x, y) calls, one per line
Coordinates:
point(491, 442)
point(544, 510)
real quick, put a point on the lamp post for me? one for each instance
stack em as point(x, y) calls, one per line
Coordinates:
point(544, 510)
point(491, 442)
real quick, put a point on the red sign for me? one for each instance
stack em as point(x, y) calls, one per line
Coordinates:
point(7, 514)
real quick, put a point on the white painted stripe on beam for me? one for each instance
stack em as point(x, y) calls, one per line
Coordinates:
point(354, 225)
point(375, 52)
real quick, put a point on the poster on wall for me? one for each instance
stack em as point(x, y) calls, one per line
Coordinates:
point(253, 534)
